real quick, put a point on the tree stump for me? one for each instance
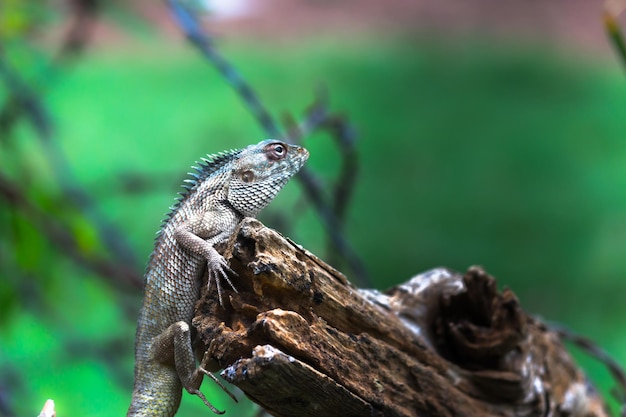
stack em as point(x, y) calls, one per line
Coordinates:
point(300, 340)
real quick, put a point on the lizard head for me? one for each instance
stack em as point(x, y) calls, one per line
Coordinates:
point(260, 172)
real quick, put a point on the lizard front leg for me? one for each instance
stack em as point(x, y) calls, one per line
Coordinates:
point(175, 343)
point(190, 236)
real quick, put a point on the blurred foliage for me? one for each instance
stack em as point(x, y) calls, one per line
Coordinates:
point(510, 156)
point(20, 17)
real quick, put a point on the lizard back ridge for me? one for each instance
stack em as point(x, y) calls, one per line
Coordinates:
point(202, 170)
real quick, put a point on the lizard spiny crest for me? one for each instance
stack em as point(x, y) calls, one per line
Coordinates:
point(205, 168)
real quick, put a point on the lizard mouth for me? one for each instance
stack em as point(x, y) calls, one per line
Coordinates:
point(301, 156)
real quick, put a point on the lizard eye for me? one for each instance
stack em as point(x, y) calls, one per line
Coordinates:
point(247, 176)
point(277, 151)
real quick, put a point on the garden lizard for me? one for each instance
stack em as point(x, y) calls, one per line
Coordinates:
point(223, 190)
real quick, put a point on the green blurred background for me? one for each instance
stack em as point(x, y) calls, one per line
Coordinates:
point(486, 136)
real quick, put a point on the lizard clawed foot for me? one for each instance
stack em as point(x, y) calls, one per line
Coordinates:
point(218, 382)
point(206, 360)
point(220, 269)
point(206, 402)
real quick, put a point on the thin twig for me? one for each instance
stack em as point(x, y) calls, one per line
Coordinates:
point(318, 118)
point(612, 10)
point(58, 234)
point(344, 135)
point(24, 103)
point(595, 351)
point(84, 14)
point(194, 33)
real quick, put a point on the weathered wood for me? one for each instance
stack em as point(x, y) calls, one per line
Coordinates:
point(300, 340)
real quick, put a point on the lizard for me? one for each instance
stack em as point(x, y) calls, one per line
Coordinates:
point(222, 190)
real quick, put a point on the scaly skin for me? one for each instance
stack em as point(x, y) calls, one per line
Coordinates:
point(225, 189)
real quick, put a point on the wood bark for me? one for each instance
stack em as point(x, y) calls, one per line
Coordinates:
point(300, 340)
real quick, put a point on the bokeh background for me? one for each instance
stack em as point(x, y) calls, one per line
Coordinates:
point(489, 132)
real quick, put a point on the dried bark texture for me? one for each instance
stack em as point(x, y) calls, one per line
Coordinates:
point(300, 340)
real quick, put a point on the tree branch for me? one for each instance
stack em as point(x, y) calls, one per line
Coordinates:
point(299, 338)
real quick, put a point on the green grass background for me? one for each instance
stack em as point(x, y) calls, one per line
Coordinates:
point(506, 155)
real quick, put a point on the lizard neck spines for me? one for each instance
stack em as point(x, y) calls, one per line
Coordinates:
point(205, 168)
point(209, 166)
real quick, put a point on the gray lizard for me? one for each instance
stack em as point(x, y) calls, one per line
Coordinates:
point(224, 189)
